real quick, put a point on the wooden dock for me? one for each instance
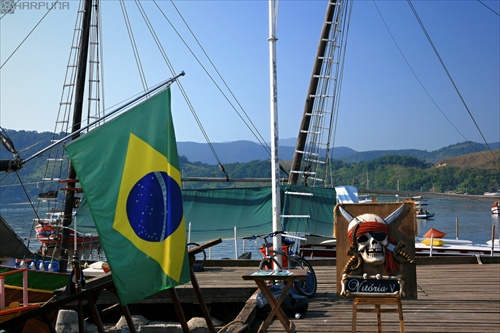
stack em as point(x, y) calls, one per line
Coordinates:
point(454, 295)
point(451, 298)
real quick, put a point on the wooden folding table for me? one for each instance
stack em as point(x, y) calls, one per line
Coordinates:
point(288, 277)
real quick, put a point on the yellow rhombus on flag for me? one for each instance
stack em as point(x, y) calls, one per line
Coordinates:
point(129, 172)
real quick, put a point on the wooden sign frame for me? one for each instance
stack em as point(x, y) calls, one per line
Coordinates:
point(372, 286)
point(402, 229)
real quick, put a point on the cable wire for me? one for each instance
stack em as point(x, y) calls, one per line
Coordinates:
point(449, 76)
point(29, 34)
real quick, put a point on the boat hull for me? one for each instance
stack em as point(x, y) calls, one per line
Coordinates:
point(455, 250)
point(495, 209)
point(440, 247)
point(424, 216)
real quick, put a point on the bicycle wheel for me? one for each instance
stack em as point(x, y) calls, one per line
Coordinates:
point(308, 286)
point(267, 263)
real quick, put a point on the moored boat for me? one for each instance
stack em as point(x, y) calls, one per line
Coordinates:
point(440, 247)
point(452, 247)
point(365, 199)
point(421, 214)
point(318, 247)
point(418, 200)
point(432, 243)
point(495, 209)
point(49, 232)
point(496, 242)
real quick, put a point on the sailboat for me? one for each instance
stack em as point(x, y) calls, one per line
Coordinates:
point(32, 279)
point(307, 199)
point(306, 202)
point(60, 196)
point(22, 289)
point(60, 240)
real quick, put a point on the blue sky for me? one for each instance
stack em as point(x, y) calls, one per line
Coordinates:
point(383, 105)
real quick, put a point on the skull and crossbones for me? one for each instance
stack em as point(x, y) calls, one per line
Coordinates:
point(372, 244)
point(370, 240)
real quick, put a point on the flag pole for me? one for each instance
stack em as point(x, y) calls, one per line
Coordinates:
point(273, 72)
point(152, 90)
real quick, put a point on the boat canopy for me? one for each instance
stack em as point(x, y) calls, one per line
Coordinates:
point(347, 194)
point(215, 213)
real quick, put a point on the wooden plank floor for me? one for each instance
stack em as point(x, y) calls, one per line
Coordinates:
point(451, 298)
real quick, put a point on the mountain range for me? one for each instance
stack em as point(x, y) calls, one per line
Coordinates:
point(29, 142)
point(246, 151)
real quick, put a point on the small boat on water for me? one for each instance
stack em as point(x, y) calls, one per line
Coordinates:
point(453, 247)
point(492, 194)
point(365, 199)
point(25, 284)
point(496, 242)
point(432, 243)
point(49, 231)
point(495, 209)
point(318, 247)
point(417, 200)
point(423, 214)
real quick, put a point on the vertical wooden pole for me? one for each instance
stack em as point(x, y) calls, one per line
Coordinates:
point(128, 318)
point(178, 310)
point(95, 313)
point(492, 240)
point(203, 306)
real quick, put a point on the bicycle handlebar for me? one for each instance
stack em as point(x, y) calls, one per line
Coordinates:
point(296, 237)
point(272, 234)
point(264, 236)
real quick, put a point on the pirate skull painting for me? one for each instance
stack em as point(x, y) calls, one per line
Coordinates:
point(371, 243)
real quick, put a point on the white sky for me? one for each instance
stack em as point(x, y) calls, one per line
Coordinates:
point(383, 106)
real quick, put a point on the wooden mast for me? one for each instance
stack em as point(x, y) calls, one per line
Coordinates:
point(77, 120)
point(306, 117)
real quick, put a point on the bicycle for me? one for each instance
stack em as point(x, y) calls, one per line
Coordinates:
point(290, 260)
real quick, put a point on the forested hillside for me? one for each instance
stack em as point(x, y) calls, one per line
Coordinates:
point(389, 172)
point(470, 173)
point(482, 160)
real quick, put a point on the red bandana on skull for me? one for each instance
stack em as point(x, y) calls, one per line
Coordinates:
point(378, 226)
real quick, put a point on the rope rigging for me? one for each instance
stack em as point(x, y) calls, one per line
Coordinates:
point(253, 129)
point(29, 34)
point(485, 5)
point(171, 68)
point(134, 45)
point(451, 79)
point(246, 119)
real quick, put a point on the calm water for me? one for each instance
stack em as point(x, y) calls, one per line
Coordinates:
point(475, 223)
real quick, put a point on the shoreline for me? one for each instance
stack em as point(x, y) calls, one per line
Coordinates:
point(428, 194)
point(363, 191)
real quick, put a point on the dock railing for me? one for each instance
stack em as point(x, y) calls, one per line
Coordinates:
point(24, 271)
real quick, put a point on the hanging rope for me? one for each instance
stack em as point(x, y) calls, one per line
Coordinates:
point(248, 122)
point(29, 34)
point(451, 79)
point(134, 46)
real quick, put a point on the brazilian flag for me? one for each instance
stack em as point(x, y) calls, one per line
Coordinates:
point(129, 172)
